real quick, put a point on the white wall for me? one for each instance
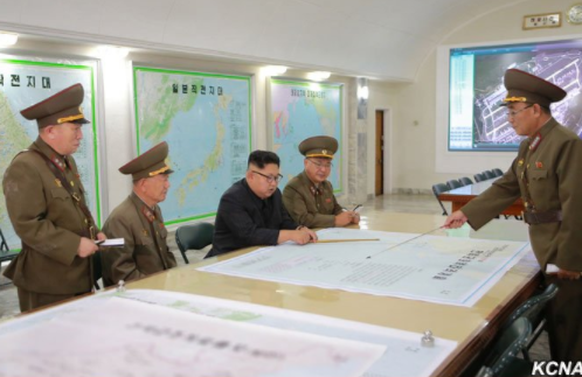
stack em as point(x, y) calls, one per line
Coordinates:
point(414, 153)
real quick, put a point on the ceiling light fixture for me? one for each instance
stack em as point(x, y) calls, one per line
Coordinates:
point(8, 39)
point(108, 52)
point(273, 70)
point(318, 75)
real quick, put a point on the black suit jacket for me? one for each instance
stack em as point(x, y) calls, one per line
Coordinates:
point(243, 219)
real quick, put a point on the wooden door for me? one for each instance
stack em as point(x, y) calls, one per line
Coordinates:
point(379, 152)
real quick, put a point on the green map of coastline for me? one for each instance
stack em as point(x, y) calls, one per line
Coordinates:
point(205, 119)
point(13, 139)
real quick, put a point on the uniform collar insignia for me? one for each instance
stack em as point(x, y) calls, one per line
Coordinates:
point(315, 190)
point(58, 162)
point(148, 214)
point(535, 142)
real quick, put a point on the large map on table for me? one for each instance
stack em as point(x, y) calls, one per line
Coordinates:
point(24, 83)
point(206, 120)
point(444, 270)
point(300, 110)
point(404, 353)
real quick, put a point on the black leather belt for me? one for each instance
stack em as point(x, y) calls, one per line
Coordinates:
point(535, 218)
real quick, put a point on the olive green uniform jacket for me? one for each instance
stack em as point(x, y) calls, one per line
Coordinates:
point(310, 206)
point(49, 223)
point(553, 171)
point(145, 251)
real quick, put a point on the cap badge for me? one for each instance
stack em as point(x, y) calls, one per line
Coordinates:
point(515, 99)
point(324, 151)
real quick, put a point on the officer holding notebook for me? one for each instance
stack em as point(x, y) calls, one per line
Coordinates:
point(46, 204)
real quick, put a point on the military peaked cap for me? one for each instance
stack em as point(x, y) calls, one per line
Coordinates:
point(319, 146)
point(63, 107)
point(148, 164)
point(524, 87)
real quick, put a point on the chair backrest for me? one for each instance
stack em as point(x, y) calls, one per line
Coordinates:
point(506, 348)
point(453, 184)
point(438, 189)
point(497, 172)
point(3, 244)
point(488, 174)
point(479, 177)
point(465, 181)
point(532, 307)
point(5, 253)
point(195, 236)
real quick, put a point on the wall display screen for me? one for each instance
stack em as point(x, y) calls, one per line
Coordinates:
point(476, 121)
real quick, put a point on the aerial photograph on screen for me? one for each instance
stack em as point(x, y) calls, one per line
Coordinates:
point(559, 63)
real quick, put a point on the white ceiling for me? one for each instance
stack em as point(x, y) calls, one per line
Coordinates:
point(385, 39)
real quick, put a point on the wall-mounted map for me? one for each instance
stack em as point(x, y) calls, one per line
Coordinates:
point(299, 110)
point(206, 120)
point(24, 83)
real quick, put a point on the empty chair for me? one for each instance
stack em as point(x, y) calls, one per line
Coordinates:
point(503, 360)
point(479, 177)
point(497, 172)
point(453, 184)
point(5, 253)
point(488, 174)
point(465, 181)
point(194, 237)
point(438, 189)
point(532, 309)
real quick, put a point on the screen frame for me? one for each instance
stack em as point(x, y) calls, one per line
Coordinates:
point(469, 162)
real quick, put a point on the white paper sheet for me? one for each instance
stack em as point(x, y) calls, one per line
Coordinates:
point(445, 270)
point(130, 338)
point(404, 355)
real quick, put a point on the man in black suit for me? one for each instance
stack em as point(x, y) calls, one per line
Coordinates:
point(251, 211)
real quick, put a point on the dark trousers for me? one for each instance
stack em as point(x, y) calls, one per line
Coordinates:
point(565, 320)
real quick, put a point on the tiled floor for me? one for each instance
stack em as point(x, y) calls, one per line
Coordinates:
point(391, 203)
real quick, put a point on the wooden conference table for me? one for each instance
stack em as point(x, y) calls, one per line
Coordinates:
point(462, 195)
point(472, 327)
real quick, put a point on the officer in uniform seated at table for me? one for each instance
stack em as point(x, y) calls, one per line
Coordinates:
point(547, 176)
point(45, 200)
point(309, 196)
point(138, 220)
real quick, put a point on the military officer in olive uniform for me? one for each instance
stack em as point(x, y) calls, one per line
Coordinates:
point(138, 220)
point(46, 204)
point(309, 196)
point(546, 175)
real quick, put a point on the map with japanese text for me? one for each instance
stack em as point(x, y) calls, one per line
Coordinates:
point(24, 83)
point(206, 121)
point(300, 110)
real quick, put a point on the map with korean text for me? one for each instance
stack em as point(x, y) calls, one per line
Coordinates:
point(443, 270)
point(24, 83)
point(206, 121)
point(300, 110)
